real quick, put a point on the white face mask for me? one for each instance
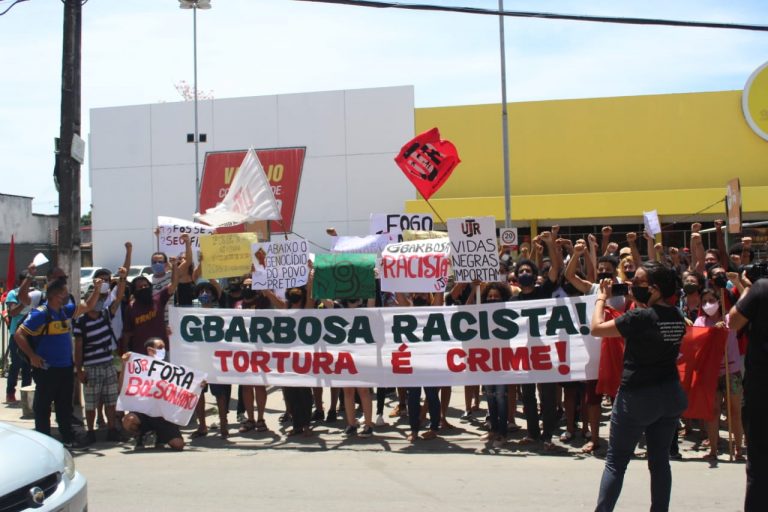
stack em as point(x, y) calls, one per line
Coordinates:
point(710, 308)
point(160, 354)
point(104, 288)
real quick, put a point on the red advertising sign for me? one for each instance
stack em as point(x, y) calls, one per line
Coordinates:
point(283, 169)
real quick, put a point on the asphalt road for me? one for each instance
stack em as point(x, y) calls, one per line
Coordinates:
point(458, 471)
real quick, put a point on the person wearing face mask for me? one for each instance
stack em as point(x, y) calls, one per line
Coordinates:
point(526, 278)
point(713, 317)
point(718, 279)
point(690, 301)
point(95, 341)
point(145, 317)
point(650, 399)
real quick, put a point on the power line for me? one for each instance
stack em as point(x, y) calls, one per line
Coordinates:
point(545, 15)
point(11, 6)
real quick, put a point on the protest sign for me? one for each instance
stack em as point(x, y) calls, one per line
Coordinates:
point(39, 260)
point(503, 343)
point(160, 389)
point(412, 234)
point(226, 255)
point(417, 266)
point(371, 244)
point(427, 161)
point(474, 253)
point(395, 224)
point(280, 265)
point(344, 276)
point(171, 229)
point(651, 222)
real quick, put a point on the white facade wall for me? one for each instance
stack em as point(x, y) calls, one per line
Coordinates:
point(141, 165)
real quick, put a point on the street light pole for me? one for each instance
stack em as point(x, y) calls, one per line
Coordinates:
point(195, 5)
point(504, 122)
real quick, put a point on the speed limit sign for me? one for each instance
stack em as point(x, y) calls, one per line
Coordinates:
point(508, 236)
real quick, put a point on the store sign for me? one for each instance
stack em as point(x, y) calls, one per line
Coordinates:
point(754, 101)
point(283, 169)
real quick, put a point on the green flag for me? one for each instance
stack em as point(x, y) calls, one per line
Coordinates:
point(344, 276)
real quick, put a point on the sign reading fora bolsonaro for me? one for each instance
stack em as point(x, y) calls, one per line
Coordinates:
point(283, 167)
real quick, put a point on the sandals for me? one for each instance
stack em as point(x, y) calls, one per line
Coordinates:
point(590, 447)
point(247, 426)
point(198, 433)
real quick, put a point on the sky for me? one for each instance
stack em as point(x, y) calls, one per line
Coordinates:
point(135, 52)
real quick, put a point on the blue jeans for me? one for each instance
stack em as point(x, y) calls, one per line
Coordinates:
point(496, 396)
point(654, 410)
point(414, 408)
point(18, 365)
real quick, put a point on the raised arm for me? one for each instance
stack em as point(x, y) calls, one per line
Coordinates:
point(697, 248)
point(605, 240)
point(93, 298)
point(122, 272)
point(23, 295)
point(632, 243)
point(557, 259)
point(580, 284)
point(720, 241)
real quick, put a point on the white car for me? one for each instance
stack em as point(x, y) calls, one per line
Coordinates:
point(138, 270)
point(38, 473)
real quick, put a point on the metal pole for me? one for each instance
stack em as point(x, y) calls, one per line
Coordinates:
point(504, 123)
point(197, 134)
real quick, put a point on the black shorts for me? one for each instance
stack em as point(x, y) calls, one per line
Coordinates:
point(164, 430)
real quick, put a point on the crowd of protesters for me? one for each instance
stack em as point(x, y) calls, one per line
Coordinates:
point(635, 291)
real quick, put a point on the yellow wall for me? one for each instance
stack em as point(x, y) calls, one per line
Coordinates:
point(671, 152)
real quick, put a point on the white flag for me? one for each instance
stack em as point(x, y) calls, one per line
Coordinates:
point(249, 199)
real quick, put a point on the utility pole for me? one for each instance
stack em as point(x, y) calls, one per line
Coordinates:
point(68, 169)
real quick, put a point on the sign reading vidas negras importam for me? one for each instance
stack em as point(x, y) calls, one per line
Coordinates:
point(514, 342)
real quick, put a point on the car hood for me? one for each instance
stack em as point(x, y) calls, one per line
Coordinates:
point(26, 456)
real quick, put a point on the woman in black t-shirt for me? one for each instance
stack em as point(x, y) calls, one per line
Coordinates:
point(650, 399)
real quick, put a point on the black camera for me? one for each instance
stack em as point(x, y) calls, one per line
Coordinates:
point(756, 271)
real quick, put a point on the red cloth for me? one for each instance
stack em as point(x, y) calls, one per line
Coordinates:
point(611, 360)
point(701, 352)
point(10, 277)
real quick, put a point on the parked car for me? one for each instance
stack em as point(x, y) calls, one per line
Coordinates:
point(86, 280)
point(43, 475)
point(138, 270)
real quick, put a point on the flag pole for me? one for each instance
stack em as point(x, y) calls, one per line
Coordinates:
point(727, 391)
point(432, 208)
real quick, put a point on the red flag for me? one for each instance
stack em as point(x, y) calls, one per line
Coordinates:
point(10, 277)
point(701, 352)
point(428, 161)
point(611, 360)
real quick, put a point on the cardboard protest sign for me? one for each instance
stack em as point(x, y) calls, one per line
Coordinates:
point(427, 161)
point(395, 224)
point(344, 276)
point(474, 252)
point(371, 244)
point(160, 389)
point(651, 222)
point(171, 229)
point(503, 343)
point(280, 265)
point(418, 266)
point(226, 255)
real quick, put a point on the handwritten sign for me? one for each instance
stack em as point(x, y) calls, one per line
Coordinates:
point(474, 252)
point(395, 224)
point(160, 389)
point(344, 276)
point(171, 230)
point(418, 266)
point(651, 221)
point(280, 265)
point(226, 255)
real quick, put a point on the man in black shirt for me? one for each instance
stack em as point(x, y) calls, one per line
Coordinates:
point(752, 312)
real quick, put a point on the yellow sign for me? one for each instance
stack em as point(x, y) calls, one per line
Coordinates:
point(226, 255)
point(754, 101)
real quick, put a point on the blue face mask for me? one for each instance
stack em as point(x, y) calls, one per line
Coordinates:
point(158, 268)
point(204, 299)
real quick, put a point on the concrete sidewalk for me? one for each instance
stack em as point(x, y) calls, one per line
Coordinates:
point(457, 471)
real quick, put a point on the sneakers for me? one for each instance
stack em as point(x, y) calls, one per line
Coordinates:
point(467, 416)
point(318, 415)
point(350, 431)
point(331, 418)
point(367, 431)
point(10, 398)
point(380, 421)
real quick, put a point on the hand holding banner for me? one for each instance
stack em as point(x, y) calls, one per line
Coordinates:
point(428, 161)
point(160, 389)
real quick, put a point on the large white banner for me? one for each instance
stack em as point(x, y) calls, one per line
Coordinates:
point(417, 266)
point(394, 224)
point(170, 231)
point(474, 251)
point(371, 244)
point(161, 389)
point(507, 343)
point(280, 265)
